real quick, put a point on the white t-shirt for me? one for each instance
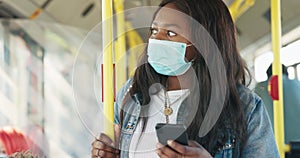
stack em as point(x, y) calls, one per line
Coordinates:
point(142, 146)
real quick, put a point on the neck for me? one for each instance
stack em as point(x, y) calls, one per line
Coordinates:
point(173, 83)
point(180, 82)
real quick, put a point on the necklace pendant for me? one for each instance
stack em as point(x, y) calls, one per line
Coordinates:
point(168, 111)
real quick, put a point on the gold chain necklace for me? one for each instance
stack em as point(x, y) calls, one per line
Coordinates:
point(168, 110)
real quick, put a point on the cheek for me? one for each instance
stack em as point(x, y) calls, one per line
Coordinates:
point(190, 53)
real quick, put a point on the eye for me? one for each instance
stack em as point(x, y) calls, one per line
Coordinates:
point(171, 33)
point(153, 31)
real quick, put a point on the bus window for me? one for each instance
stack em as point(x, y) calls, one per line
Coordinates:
point(291, 72)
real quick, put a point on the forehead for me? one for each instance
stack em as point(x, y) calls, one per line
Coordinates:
point(169, 14)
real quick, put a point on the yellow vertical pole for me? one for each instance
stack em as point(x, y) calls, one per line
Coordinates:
point(108, 84)
point(277, 70)
point(120, 45)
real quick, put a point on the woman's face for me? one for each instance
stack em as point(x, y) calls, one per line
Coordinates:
point(170, 24)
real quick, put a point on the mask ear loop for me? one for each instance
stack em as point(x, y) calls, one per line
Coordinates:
point(189, 45)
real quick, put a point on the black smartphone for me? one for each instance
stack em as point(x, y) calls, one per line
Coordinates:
point(175, 132)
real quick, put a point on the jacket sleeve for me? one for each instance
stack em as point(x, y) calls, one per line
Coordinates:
point(119, 100)
point(260, 141)
point(116, 113)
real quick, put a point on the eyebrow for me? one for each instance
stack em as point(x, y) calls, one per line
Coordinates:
point(167, 25)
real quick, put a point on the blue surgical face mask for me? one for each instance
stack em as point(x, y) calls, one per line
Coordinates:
point(168, 57)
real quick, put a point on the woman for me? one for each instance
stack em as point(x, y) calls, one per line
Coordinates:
point(179, 77)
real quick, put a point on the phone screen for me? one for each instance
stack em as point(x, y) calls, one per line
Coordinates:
point(175, 132)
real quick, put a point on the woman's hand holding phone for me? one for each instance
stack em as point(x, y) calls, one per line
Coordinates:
point(173, 143)
point(177, 150)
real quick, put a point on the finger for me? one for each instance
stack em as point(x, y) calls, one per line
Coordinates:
point(94, 152)
point(195, 145)
point(165, 151)
point(105, 139)
point(160, 153)
point(177, 146)
point(101, 146)
point(195, 149)
point(182, 149)
point(101, 153)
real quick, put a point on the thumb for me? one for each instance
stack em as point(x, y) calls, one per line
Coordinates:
point(194, 144)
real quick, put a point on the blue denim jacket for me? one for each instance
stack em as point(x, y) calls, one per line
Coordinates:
point(260, 141)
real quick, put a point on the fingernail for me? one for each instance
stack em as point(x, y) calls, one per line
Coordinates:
point(100, 152)
point(169, 142)
point(158, 145)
